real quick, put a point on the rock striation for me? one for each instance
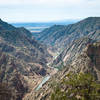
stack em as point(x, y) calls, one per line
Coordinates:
point(86, 62)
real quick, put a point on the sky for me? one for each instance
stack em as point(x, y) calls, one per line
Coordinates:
point(48, 10)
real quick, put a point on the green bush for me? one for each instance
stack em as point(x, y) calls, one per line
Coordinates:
point(77, 87)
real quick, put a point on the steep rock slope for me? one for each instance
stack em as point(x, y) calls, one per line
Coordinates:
point(22, 59)
point(60, 36)
point(71, 51)
point(87, 61)
point(71, 40)
point(86, 31)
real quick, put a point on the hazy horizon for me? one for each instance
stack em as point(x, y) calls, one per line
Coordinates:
point(47, 10)
point(52, 22)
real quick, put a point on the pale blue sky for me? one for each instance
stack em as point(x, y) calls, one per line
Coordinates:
point(47, 10)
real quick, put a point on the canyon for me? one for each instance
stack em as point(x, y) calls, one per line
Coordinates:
point(29, 65)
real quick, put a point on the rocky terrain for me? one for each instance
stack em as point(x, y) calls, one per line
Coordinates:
point(23, 60)
point(86, 62)
point(59, 36)
point(79, 41)
point(81, 54)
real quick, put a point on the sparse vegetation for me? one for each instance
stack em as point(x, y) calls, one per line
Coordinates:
point(77, 87)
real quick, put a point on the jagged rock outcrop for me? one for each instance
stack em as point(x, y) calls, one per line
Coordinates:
point(93, 52)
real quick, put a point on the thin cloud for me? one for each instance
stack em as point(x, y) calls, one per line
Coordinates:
point(16, 2)
point(48, 10)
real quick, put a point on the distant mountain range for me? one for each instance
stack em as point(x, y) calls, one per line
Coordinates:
point(36, 24)
point(35, 28)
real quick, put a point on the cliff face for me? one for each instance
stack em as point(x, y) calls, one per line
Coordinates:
point(93, 52)
point(71, 51)
point(87, 61)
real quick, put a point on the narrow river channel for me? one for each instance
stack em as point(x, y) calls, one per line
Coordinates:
point(46, 78)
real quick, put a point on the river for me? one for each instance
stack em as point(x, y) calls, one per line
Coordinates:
point(46, 78)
